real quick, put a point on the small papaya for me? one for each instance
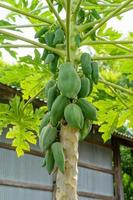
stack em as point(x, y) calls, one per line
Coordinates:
point(47, 137)
point(41, 32)
point(59, 36)
point(85, 87)
point(57, 110)
point(95, 72)
point(69, 81)
point(45, 121)
point(49, 161)
point(59, 156)
point(52, 94)
point(89, 111)
point(85, 130)
point(49, 84)
point(53, 64)
point(86, 64)
point(49, 37)
point(45, 53)
point(50, 57)
point(73, 115)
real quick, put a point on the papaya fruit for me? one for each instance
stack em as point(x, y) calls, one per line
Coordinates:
point(69, 81)
point(52, 94)
point(85, 87)
point(89, 111)
point(50, 57)
point(59, 36)
point(73, 115)
point(49, 37)
point(53, 64)
point(49, 84)
point(45, 53)
point(58, 154)
point(49, 161)
point(57, 110)
point(95, 72)
point(45, 121)
point(85, 130)
point(42, 40)
point(41, 32)
point(86, 64)
point(47, 137)
point(91, 86)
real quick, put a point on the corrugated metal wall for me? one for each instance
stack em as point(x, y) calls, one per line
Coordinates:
point(32, 182)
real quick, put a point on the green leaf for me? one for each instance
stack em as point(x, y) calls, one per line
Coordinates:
point(108, 129)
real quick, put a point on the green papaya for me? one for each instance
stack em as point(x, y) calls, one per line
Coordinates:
point(85, 130)
point(57, 110)
point(95, 72)
point(47, 137)
point(59, 157)
point(49, 161)
point(45, 53)
point(49, 84)
point(85, 87)
point(59, 36)
point(41, 32)
point(49, 37)
point(91, 86)
point(68, 82)
point(45, 121)
point(50, 57)
point(89, 111)
point(52, 94)
point(53, 65)
point(73, 115)
point(42, 40)
point(86, 64)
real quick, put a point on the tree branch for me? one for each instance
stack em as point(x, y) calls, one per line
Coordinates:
point(56, 14)
point(107, 18)
point(118, 87)
point(25, 13)
point(68, 21)
point(105, 41)
point(57, 51)
point(21, 26)
point(113, 57)
point(118, 45)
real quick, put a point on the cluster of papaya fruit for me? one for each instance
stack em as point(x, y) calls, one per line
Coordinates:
point(51, 38)
point(67, 104)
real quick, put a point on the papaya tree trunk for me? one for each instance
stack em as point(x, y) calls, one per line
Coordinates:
point(66, 184)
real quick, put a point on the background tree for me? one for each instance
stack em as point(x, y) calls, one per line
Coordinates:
point(84, 24)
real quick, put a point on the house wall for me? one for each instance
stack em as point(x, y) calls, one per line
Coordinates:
point(24, 178)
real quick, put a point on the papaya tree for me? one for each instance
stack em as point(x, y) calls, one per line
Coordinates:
point(77, 94)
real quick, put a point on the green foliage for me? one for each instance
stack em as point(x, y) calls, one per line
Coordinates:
point(22, 124)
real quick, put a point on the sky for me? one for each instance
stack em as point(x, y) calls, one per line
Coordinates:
point(124, 26)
